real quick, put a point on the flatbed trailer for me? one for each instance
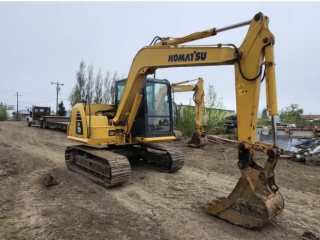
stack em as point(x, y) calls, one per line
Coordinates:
point(58, 122)
point(41, 116)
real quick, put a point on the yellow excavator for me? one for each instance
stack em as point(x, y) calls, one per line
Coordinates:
point(199, 137)
point(111, 135)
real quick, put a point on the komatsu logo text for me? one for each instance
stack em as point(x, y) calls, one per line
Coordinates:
point(188, 57)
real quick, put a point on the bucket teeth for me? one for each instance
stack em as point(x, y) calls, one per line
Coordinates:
point(213, 203)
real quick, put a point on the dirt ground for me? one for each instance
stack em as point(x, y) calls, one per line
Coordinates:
point(41, 199)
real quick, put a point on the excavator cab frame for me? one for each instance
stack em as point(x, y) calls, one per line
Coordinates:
point(155, 113)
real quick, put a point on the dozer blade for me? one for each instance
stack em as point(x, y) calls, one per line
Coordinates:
point(197, 141)
point(251, 204)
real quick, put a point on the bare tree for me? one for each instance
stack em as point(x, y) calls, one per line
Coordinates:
point(107, 83)
point(90, 84)
point(113, 87)
point(79, 92)
point(98, 89)
point(215, 110)
point(110, 88)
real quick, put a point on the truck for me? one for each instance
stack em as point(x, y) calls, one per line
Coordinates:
point(40, 116)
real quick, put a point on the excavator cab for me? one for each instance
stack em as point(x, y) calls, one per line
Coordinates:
point(155, 115)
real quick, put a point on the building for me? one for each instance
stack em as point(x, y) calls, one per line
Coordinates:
point(310, 117)
point(22, 115)
point(9, 114)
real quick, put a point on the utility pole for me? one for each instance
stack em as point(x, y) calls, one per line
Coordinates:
point(17, 107)
point(58, 89)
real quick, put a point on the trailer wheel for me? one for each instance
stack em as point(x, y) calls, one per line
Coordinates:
point(41, 124)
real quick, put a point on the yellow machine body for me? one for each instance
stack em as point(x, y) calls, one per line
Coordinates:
point(101, 132)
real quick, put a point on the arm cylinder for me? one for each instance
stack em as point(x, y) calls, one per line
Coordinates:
point(202, 34)
point(271, 90)
point(271, 87)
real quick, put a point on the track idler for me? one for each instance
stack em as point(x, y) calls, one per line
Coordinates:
point(254, 201)
point(198, 140)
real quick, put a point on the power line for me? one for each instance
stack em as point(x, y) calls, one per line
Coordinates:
point(22, 92)
point(41, 100)
point(45, 101)
point(37, 97)
point(6, 90)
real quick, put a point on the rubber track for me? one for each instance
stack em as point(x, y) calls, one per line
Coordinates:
point(176, 156)
point(119, 164)
point(177, 159)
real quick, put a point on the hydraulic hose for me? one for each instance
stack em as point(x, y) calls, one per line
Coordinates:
point(239, 63)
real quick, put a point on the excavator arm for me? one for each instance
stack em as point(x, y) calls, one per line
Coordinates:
point(247, 60)
point(256, 199)
point(199, 137)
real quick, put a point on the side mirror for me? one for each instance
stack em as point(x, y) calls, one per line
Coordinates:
point(174, 114)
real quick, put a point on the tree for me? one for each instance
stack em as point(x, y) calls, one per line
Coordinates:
point(215, 114)
point(186, 119)
point(107, 85)
point(264, 113)
point(75, 96)
point(3, 112)
point(264, 119)
point(214, 110)
point(110, 88)
point(10, 107)
point(98, 89)
point(78, 93)
point(90, 85)
point(291, 114)
point(113, 87)
point(62, 110)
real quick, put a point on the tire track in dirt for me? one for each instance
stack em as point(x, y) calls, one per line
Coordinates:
point(177, 199)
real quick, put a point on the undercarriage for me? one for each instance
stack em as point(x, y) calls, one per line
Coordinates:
point(110, 166)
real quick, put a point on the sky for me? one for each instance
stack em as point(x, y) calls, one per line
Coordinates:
point(44, 42)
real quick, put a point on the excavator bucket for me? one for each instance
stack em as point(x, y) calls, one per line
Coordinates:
point(254, 201)
point(197, 141)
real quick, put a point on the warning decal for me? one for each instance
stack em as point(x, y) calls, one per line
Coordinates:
point(241, 89)
point(79, 129)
